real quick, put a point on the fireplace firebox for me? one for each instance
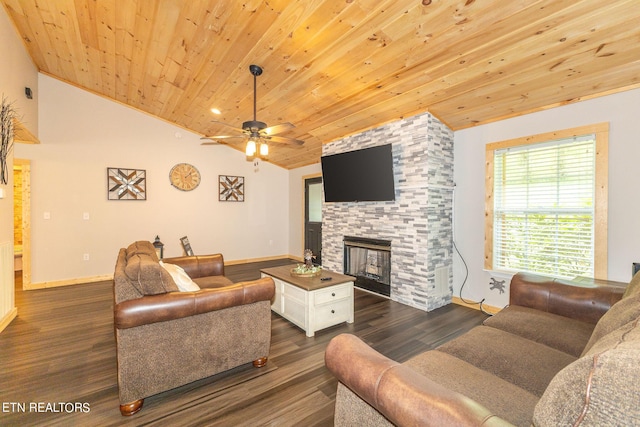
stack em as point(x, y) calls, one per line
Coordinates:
point(369, 261)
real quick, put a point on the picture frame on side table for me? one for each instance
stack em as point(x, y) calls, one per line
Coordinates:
point(126, 184)
point(186, 246)
point(231, 188)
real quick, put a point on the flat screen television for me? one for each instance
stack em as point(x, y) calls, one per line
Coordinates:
point(359, 176)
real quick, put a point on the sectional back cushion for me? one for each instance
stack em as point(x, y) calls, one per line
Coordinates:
point(600, 388)
point(620, 313)
point(143, 271)
point(123, 290)
point(141, 247)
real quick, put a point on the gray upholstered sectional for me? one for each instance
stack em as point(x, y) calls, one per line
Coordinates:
point(166, 338)
point(563, 353)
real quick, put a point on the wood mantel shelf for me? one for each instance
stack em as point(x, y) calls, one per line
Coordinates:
point(22, 134)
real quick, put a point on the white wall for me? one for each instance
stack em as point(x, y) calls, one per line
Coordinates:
point(82, 134)
point(16, 72)
point(296, 206)
point(621, 111)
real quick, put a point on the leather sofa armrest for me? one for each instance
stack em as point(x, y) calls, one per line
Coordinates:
point(570, 298)
point(175, 305)
point(400, 394)
point(199, 265)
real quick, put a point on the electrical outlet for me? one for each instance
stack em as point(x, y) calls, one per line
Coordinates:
point(85, 257)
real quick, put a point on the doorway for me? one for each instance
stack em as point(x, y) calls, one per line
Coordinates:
point(22, 218)
point(313, 216)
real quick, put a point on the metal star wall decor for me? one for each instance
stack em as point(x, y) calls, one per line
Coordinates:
point(497, 284)
point(126, 184)
point(231, 188)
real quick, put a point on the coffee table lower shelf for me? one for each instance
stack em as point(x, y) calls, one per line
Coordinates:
point(310, 303)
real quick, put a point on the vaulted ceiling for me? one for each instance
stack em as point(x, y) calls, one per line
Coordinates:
point(334, 67)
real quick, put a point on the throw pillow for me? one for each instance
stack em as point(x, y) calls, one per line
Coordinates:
point(633, 288)
point(182, 279)
point(620, 313)
point(600, 388)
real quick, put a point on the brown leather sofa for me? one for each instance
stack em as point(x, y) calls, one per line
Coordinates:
point(562, 353)
point(166, 338)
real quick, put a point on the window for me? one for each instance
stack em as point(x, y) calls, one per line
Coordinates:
point(547, 203)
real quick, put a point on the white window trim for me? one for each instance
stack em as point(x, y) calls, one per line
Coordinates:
point(601, 131)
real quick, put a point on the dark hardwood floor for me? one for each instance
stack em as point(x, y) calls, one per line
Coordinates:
point(60, 350)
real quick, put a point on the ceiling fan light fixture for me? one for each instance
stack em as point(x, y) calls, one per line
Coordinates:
point(251, 148)
point(264, 149)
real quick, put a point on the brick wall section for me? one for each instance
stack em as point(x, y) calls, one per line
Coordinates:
point(418, 222)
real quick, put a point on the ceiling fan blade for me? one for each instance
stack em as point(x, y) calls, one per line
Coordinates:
point(284, 140)
point(276, 129)
point(227, 125)
point(219, 139)
point(216, 137)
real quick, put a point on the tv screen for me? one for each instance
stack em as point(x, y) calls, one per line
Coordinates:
point(359, 176)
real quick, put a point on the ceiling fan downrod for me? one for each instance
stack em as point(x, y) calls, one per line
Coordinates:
point(254, 125)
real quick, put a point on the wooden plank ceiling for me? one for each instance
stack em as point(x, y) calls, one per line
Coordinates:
point(334, 67)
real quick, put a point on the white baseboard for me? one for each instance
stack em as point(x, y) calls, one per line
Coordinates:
point(487, 308)
point(68, 282)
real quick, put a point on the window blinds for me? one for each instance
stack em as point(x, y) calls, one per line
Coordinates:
point(544, 207)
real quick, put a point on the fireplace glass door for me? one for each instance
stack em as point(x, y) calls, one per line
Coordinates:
point(370, 262)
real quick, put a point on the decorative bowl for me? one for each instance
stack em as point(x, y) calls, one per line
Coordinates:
point(303, 271)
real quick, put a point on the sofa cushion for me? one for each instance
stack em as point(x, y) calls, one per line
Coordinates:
point(600, 388)
point(123, 289)
point(182, 279)
point(351, 410)
point(559, 332)
point(477, 384)
point(621, 313)
point(525, 363)
point(142, 247)
point(213, 282)
point(146, 275)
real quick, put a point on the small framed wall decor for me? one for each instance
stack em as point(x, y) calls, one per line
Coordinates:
point(231, 188)
point(186, 246)
point(126, 184)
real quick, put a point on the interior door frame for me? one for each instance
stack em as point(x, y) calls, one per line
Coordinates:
point(25, 165)
point(305, 178)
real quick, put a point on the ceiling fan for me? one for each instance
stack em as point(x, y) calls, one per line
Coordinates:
point(254, 130)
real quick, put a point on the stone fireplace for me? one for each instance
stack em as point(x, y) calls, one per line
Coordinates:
point(417, 224)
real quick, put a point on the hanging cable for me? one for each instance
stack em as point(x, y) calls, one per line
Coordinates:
point(466, 267)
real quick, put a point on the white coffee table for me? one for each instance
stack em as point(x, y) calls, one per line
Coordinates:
point(312, 303)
